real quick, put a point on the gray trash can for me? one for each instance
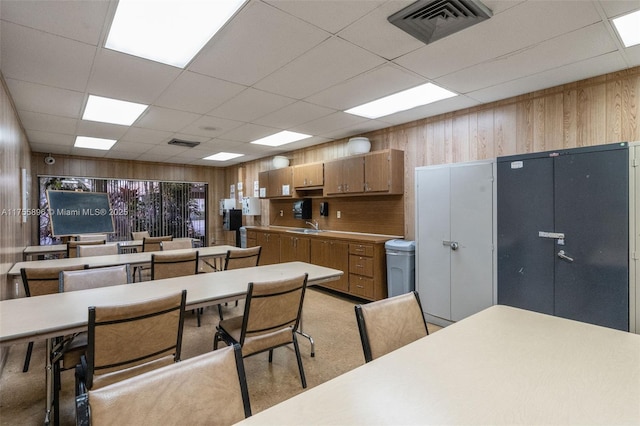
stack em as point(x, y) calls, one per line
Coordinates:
point(401, 266)
point(243, 237)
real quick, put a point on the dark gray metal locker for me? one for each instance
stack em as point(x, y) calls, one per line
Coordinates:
point(563, 233)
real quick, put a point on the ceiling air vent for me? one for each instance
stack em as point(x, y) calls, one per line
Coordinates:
point(431, 20)
point(186, 144)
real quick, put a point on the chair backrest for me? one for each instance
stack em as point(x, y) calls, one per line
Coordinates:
point(153, 243)
point(127, 340)
point(272, 308)
point(96, 250)
point(94, 278)
point(242, 258)
point(40, 281)
point(72, 246)
point(92, 237)
point(220, 394)
point(388, 324)
point(176, 244)
point(141, 235)
point(170, 265)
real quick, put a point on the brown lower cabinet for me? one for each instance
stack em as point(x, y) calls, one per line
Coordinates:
point(363, 263)
point(332, 254)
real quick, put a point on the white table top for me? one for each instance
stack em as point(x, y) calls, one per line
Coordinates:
point(40, 317)
point(62, 248)
point(502, 366)
point(113, 259)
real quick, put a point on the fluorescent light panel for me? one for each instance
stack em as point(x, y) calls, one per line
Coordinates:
point(94, 143)
point(170, 31)
point(401, 101)
point(628, 27)
point(114, 111)
point(223, 156)
point(281, 138)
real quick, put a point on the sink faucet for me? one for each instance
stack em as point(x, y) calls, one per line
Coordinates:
point(314, 224)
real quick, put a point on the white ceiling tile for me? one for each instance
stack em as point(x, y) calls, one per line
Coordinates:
point(100, 130)
point(45, 99)
point(632, 56)
point(327, 124)
point(576, 46)
point(326, 65)
point(249, 132)
point(376, 34)
point(251, 104)
point(208, 126)
point(77, 20)
point(132, 147)
point(47, 148)
point(382, 81)
point(576, 71)
point(194, 154)
point(197, 93)
point(146, 136)
point(516, 28)
point(152, 157)
point(170, 120)
point(126, 77)
point(615, 8)
point(166, 149)
point(293, 115)
point(356, 129)
point(54, 139)
point(48, 123)
point(119, 155)
point(330, 15)
point(258, 41)
point(85, 152)
point(38, 57)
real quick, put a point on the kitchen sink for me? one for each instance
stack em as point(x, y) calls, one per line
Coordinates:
point(306, 231)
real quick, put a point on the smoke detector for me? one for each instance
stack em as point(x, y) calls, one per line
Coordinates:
point(431, 20)
point(49, 160)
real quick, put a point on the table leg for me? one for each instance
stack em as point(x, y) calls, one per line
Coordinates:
point(48, 382)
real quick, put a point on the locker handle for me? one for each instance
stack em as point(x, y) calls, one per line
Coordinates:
point(453, 244)
point(563, 256)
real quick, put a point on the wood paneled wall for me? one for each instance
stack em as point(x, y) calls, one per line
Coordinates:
point(595, 111)
point(124, 169)
point(14, 155)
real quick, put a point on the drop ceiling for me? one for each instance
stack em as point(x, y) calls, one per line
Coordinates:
point(286, 65)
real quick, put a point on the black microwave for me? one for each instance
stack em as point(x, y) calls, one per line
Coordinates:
point(302, 208)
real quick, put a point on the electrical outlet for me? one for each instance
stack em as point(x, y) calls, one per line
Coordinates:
point(338, 214)
point(281, 213)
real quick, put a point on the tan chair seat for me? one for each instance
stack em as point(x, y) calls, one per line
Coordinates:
point(258, 342)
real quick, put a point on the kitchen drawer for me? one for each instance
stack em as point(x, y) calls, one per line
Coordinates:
point(361, 249)
point(361, 265)
point(361, 286)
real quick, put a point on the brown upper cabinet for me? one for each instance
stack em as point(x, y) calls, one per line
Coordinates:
point(379, 172)
point(308, 175)
point(277, 183)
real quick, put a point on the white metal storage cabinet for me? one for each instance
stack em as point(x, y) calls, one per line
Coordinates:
point(455, 239)
point(634, 237)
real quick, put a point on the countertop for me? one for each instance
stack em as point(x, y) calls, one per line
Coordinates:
point(339, 235)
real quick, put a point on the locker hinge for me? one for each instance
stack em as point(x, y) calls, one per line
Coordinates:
point(635, 162)
point(635, 256)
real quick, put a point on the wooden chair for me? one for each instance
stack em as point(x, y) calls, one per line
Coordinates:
point(38, 282)
point(92, 237)
point(67, 352)
point(150, 244)
point(240, 258)
point(271, 317)
point(388, 324)
point(170, 265)
point(97, 250)
point(219, 394)
point(127, 340)
point(176, 244)
point(72, 246)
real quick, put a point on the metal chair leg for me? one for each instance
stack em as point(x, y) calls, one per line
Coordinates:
point(27, 358)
